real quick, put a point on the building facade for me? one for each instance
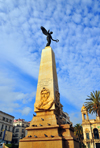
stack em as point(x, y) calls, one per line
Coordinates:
point(19, 131)
point(66, 118)
point(91, 130)
point(6, 127)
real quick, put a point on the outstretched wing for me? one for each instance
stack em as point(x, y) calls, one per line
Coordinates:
point(44, 30)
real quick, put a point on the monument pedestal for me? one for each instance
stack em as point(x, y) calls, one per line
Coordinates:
point(46, 128)
point(69, 140)
point(43, 132)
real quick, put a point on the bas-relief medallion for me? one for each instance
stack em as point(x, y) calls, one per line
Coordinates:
point(45, 102)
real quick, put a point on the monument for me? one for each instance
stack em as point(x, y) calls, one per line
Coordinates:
point(46, 128)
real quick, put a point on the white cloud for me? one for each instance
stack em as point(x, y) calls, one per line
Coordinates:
point(75, 118)
point(26, 111)
point(74, 23)
point(76, 18)
point(10, 97)
point(85, 2)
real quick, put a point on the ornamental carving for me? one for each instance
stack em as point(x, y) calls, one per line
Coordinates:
point(58, 104)
point(45, 102)
point(57, 101)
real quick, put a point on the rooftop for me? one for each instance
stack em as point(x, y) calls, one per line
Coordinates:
point(6, 114)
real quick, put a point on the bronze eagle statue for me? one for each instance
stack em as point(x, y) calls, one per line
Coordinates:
point(48, 34)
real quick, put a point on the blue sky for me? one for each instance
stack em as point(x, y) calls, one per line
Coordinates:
point(76, 23)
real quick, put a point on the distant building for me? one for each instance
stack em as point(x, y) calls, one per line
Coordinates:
point(91, 130)
point(19, 131)
point(6, 127)
point(65, 118)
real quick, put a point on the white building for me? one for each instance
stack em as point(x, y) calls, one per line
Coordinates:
point(19, 131)
point(91, 130)
point(6, 127)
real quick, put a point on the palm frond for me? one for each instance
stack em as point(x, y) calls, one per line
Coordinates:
point(93, 102)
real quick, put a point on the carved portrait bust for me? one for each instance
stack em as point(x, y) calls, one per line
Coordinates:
point(45, 102)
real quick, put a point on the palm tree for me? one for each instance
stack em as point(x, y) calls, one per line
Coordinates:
point(78, 132)
point(93, 104)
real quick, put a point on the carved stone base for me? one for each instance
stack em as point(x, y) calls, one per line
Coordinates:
point(42, 143)
point(69, 140)
point(45, 133)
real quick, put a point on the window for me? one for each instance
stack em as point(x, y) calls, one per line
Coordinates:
point(27, 125)
point(84, 116)
point(22, 135)
point(97, 145)
point(87, 136)
point(17, 130)
point(6, 119)
point(22, 130)
point(2, 127)
point(1, 134)
point(3, 118)
point(6, 127)
point(10, 121)
point(9, 128)
point(96, 135)
point(22, 125)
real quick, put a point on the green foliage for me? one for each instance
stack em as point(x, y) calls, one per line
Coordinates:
point(93, 104)
point(11, 145)
point(78, 131)
point(82, 145)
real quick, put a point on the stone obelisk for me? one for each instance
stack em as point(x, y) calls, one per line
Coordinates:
point(43, 131)
point(47, 78)
point(46, 128)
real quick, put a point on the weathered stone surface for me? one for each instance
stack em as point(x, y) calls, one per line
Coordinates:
point(45, 129)
point(47, 76)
